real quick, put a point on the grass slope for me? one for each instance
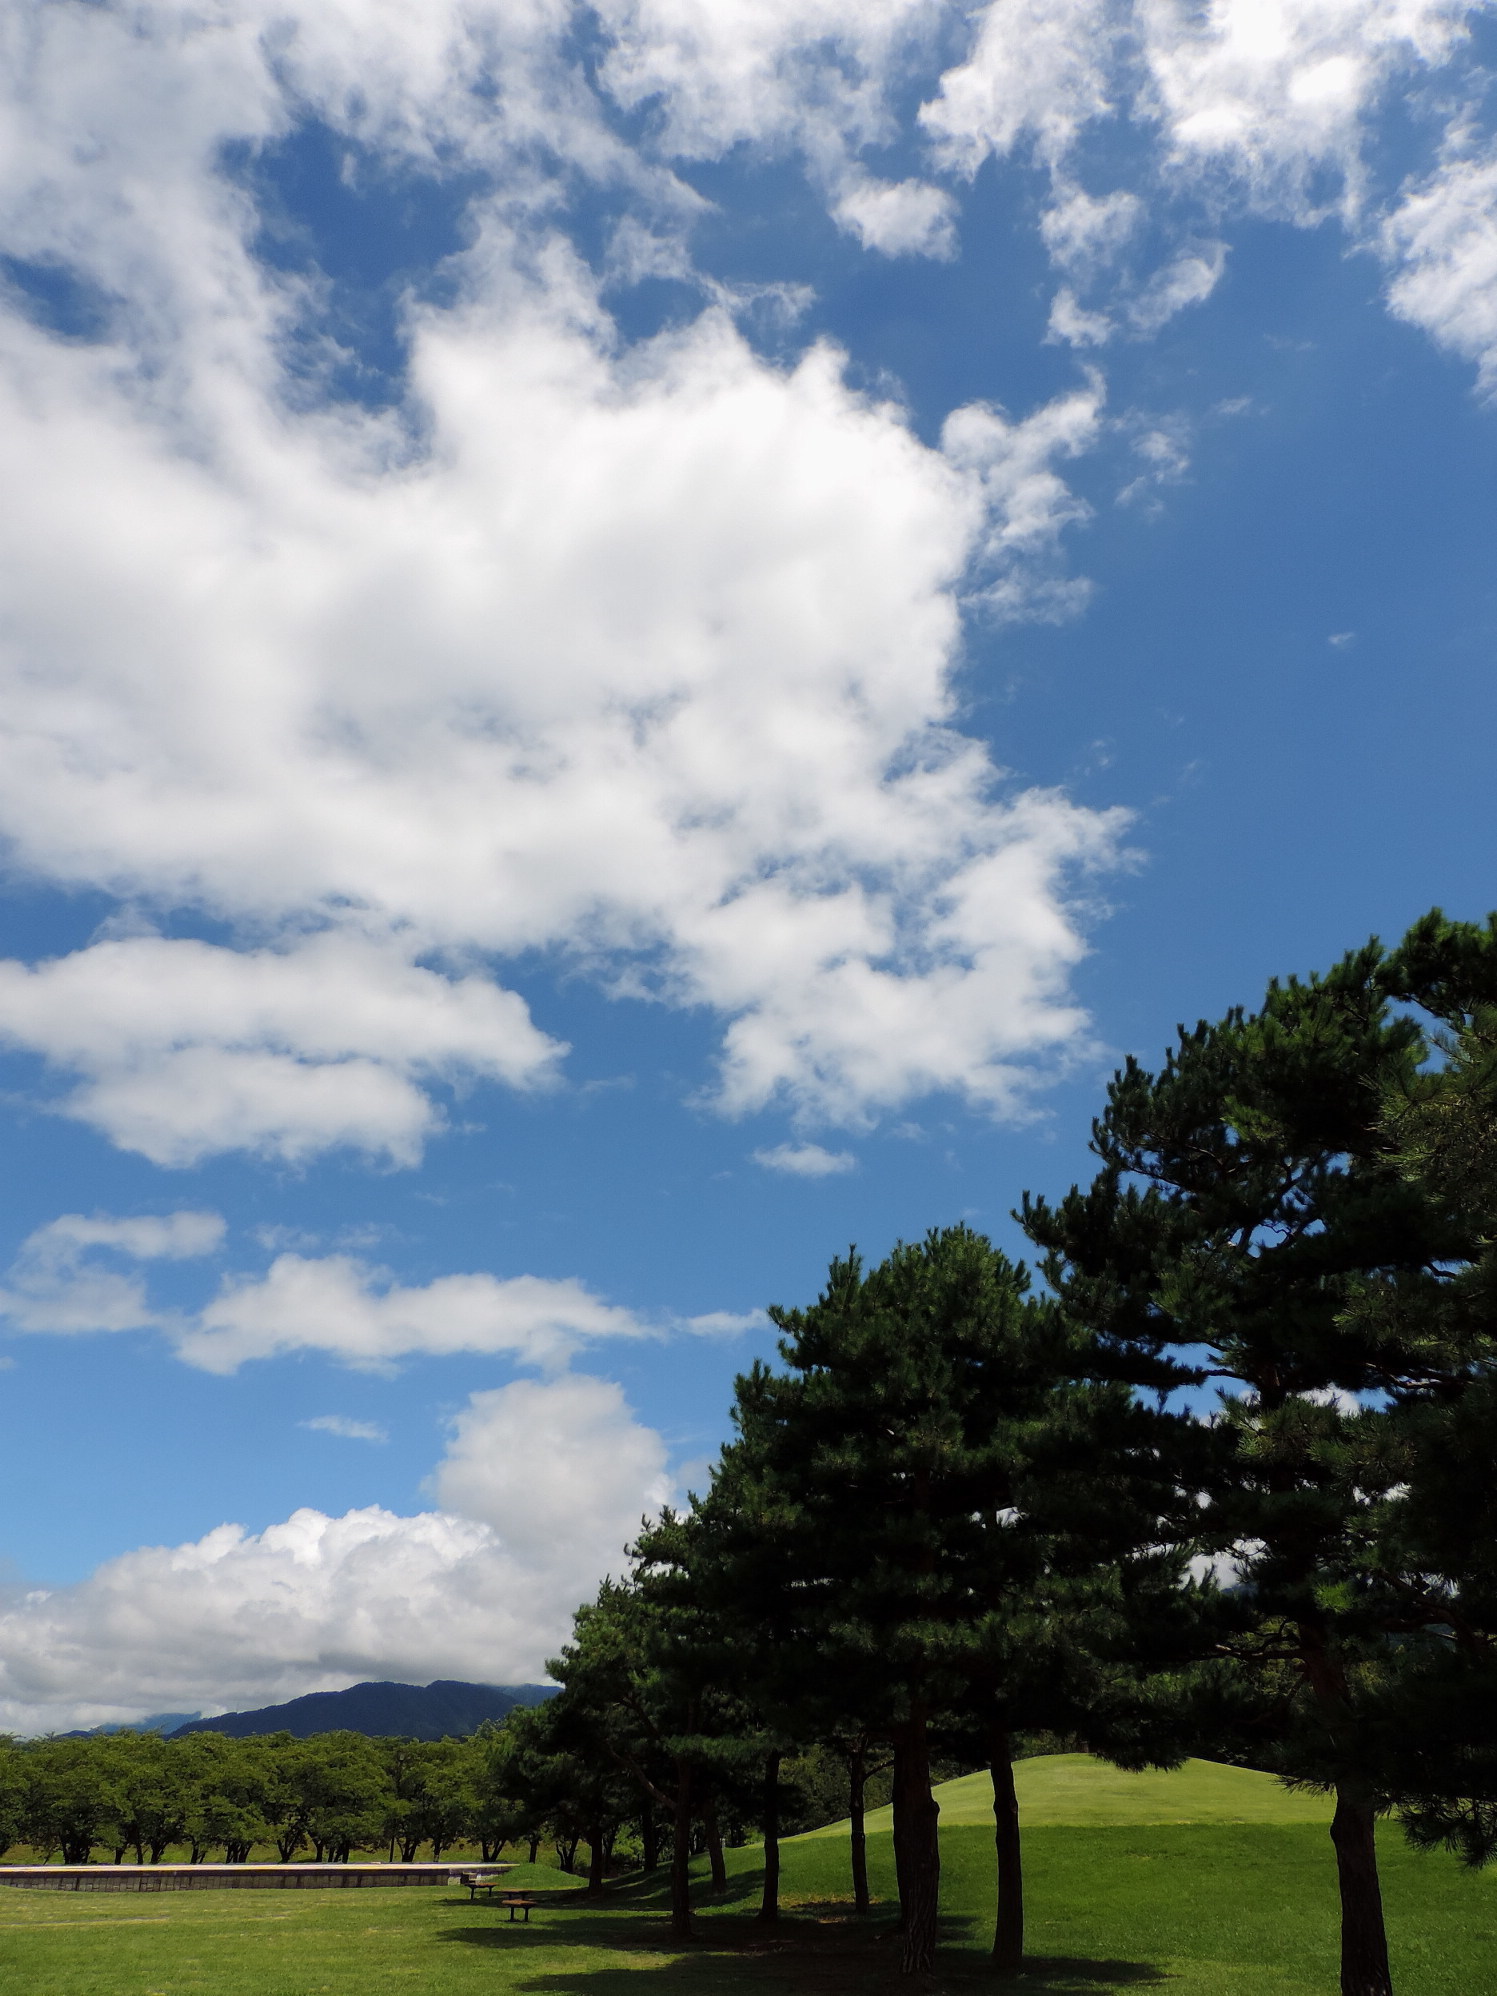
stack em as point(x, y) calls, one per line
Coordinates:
point(1078, 1791)
point(1219, 1910)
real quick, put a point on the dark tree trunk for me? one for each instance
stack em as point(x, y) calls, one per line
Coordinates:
point(1008, 1932)
point(597, 1862)
point(649, 1839)
point(917, 1848)
point(535, 1844)
point(714, 1846)
point(770, 1906)
point(681, 1855)
point(1364, 1941)
point(857, 1784)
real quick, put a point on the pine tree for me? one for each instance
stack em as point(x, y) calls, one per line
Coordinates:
point(1248, 1192)
point(878, 1518)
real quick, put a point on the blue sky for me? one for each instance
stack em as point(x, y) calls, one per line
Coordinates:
point(640, 642)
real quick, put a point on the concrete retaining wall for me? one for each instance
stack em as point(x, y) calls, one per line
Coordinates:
point(217, 1877)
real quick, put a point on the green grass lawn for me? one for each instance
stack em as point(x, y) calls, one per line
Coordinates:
point(1220, 1908)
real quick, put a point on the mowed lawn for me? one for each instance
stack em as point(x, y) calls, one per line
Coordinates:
point(1222, 1907)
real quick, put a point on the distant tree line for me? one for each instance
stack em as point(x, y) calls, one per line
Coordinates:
point(135, 1796)
point(513, 1787)
point(1224, 1489)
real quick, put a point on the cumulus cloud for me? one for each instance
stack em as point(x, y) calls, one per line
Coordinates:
point(59, 1284)
point(900, 218)
point(339, 1304)
point(637, 655)
point(189, 1047)
point(65, 1279)
point(512, 1462)
point(542, 1487)
point(1038, 69)
point(1265, 105)
point(806, 1160)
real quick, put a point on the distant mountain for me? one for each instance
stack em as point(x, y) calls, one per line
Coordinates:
point(159, 1722)
point(400, 1711)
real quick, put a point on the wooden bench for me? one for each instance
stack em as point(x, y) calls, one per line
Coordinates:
point(480, 1881)
point(518, 1902)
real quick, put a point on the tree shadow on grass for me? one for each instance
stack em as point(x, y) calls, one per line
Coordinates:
point(817, 1949)
point(1059, 1974)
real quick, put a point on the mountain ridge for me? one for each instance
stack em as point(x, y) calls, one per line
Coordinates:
point(446, 1708)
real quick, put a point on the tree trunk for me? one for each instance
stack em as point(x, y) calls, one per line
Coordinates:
point(1364, 1941)
point(535, 1844)
point(597, 1861)
point(857, 1783)
point(681, 1855)
point(714, 1847)
point(770, 1906)
point(649, 1839)
point(917, 1847)
point(1008, 1932)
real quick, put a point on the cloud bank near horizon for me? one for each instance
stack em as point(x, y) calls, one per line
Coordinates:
point(541, 1486)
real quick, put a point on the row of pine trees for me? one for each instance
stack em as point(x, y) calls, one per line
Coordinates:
point(1223, 1487)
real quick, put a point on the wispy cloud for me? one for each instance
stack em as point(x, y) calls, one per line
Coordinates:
point(806, 1160)
point(353, 1431)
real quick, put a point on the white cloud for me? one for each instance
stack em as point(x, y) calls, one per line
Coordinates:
point(1267, 105)
point(58, 1284)
point(1073, 325)
point(1441, 241)
point(515, 1462)
point(637, 656)
point(190, 1048)
point(720, 72)
point(899, 218)
point(544, 1485)
point(1189, 280)
point(806, 1160)
point(723, 1323)
point(1085, 232)
point(336, 1303)
point(346, 1427)
point(1038, 70)
point(1276, 89)
point(341, 1305)
point(637, 661)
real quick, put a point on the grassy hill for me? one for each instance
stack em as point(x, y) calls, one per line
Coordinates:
point(1077, 1791)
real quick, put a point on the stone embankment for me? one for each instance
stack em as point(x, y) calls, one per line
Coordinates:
point(216, 1877)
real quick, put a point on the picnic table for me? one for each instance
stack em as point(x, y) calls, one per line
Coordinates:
point(480, 1881)
point(490, 1881)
